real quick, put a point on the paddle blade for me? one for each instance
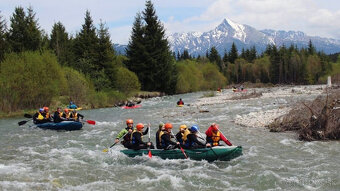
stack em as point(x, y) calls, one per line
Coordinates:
point(22, 123)
point(91, 122)
point(185, 155)
point(150, 155)
point(27, 115)
point(105, 150)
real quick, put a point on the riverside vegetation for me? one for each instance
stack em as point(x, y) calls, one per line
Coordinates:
point(39, 69)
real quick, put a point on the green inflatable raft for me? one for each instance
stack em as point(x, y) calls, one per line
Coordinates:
point(222, 153)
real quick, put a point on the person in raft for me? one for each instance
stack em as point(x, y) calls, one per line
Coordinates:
point(129, 104)
point(192, 142)
point(137, 138)
point(66, 114)
point(76, 116)
point(57, 116)
point(160, 129)
point(46, 115)
point(165, 138)
point(126, 134)
point(180, 102)
point(72, 105)
point(181, 136)
point(38, 117)
point(214, 136)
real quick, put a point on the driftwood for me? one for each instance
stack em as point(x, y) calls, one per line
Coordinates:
point(320, 121)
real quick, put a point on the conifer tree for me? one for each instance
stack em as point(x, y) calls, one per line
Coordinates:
point(3, 41)
point(17, 32)
point(233, 55)
point(60, 43)
point(311, 48)
point(105, 47)
point(85, 48)
point(214, 57)
point(34, 35)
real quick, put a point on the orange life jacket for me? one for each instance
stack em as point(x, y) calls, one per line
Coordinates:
point(216, 138)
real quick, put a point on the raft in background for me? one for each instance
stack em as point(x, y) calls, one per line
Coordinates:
point(222, 153)
point(132, 107)
point(64, 125)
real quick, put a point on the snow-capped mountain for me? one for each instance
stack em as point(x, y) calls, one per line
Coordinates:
point(244, 36)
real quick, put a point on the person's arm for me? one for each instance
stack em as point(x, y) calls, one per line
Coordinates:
point(197, 141)
point(121, 133)
point(80, 115)
point(146, 131)
point(225, 140)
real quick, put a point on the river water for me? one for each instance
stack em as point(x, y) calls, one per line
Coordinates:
point(36, 159)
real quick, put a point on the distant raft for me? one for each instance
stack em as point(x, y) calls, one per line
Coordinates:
point(64, 125)
point(222, 153)
point(180, 105)
point(132, 107)
point(239, 90)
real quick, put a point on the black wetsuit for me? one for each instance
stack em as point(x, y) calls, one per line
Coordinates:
point(166, 142)
point(137, 142)
point(57, 118)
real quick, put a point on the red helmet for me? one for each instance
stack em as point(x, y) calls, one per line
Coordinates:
point(65, 110)
point(129, 121)
point(46, 108)
point(168, 126)
point(139, 126)
point(214, 127)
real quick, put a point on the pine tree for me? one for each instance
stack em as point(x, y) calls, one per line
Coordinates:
point(225, 57)
point(60, 43)
point(85, 48)
point(185, 55)
point(34, 35)
point(149, 54)
point(233, 55)
point(214, 57)
point(3, 41)
point(105, 46)
point(311, 48)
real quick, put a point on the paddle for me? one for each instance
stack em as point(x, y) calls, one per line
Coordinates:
point(185, 155)
point(149, 153)
point(23, 122)
point(91, 122)
point(107, 149)
point(210, 146)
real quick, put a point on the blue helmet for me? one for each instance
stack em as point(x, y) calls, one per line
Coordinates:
point(41, 110)
point(194, 128)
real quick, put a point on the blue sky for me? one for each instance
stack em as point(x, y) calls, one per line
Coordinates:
point(314, 17)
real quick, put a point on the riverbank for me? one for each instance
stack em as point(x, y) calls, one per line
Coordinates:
point(60, 102)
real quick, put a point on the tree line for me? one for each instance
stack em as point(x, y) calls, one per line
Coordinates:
point(44, 69)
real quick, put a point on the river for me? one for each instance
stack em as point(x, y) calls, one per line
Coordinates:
point(36, 159)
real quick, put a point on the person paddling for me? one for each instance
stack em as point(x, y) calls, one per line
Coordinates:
point(57, 117)
point(126, 134)
point(165, 138)
point(137, 138)
point(160, 129)
point(214, 136)
point(46, 115)
point(192, 141)
point(181, 136)
point(76, 116)
point(66, 114)
point(180, 102)
point(38, 117)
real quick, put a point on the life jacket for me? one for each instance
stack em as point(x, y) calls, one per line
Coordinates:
point(75, 116)
point(60, 114)
point(40, 116)
point(47, 115)
point(185, 135)
point(67, 115)
point(133, 141)
point(216, 137)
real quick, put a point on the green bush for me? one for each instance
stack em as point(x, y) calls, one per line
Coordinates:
point(126, 81)
point(29, 80)
point(78, 86)
point(213, 79)
point(189, 77)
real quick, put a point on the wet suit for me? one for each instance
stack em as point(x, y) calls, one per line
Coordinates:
point(38, 120)
point(127, 138)
point(158, 143)
point(193, 143)
point(57, 117)
point(166, 142)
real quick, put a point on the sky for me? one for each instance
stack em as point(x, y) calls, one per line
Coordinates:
point(314, 17)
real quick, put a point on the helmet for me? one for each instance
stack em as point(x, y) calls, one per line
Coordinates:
point(214, 127)
point(139, 126)
point(168, 126)
point(194, 128)
point(66, 110)
point(129, 121)
point(161, 125)
point(41, 110)
point(45, 108)
point(182, 127)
